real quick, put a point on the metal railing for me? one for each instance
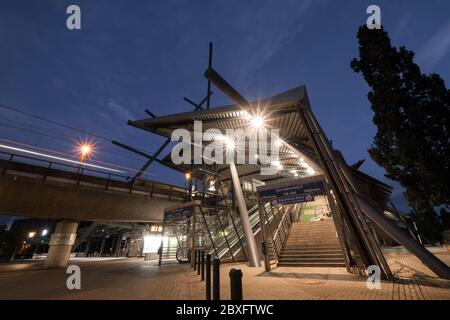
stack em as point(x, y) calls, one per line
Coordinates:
point(281, 234)
point(82, 176)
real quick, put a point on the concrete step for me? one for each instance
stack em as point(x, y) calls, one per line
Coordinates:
point(311, 264)
point(310, 251)
point(313, 247)
point(311, 243)
point(310, 260)
point(285, 256)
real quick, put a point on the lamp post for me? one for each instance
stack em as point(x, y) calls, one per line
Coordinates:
point(84, 150)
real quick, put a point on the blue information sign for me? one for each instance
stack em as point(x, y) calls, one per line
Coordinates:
point(178, 214)
point(291, 193)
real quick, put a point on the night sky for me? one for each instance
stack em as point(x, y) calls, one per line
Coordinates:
point(132, 55)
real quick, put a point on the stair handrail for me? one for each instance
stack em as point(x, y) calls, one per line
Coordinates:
point(281, 234)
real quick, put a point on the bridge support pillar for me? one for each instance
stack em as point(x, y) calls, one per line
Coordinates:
point(118, 245)
point(61, 242)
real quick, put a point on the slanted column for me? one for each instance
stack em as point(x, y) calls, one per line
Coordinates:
point(88, 246)
point(61, 242)
point(102, 247)
point(252, 250)
point(118, 245)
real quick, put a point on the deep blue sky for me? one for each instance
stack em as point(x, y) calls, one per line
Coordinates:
point(132, 55)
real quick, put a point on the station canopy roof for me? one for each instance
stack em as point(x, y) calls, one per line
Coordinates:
point(297, 156)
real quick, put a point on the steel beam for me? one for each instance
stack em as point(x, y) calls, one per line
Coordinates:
point(399, 235)
point(252, 250)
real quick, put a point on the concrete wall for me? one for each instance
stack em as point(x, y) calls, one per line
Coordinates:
point(44, 200)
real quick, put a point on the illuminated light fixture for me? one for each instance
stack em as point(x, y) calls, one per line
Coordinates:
point(256, 156)
point(277, 164)
point(212, 186)
point(230, 145)
point(152, 242)
point(302, 159)
point(279, 142)
point(304, 165)
point(85, 149)
point(296, 174)
point(257, 122)
point(58, 158)
point(31, 234)
point(44, 232)
point(188, 176)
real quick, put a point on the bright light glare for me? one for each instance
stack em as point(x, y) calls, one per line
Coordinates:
point(44, 232)
point(31, 234)
point(57, 158)
point(257, 122)
point(277, 164)
point(310, 170)
point(85, 149)
point(228, 142)
point(304, 165)
point(152, 242)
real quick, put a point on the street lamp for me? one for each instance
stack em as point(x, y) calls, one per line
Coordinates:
point(85, 149)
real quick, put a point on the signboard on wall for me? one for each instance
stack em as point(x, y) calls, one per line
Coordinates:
point(295, 191)
point(179, 213)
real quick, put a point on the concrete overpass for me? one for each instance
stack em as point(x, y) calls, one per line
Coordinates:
point(43, 189)
point(54, 190)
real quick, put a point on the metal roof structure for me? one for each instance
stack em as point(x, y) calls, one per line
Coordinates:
point(279, 111)
point(297, 156)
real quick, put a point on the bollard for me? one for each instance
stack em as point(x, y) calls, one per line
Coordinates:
point(208, 277)
point(199, 257)
point(216, 279)
point(236, 284)
point(203, 266)
point(195, 259)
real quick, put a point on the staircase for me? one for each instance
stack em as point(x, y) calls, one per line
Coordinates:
point(312, 244)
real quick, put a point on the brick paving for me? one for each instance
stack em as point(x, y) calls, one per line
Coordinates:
point(413, 281)
point(138, 279)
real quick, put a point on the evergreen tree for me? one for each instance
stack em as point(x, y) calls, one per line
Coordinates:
point(412, 114)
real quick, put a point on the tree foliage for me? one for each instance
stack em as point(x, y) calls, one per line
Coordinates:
point(412, 114)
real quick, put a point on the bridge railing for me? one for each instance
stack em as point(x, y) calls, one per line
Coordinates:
point(81, 176)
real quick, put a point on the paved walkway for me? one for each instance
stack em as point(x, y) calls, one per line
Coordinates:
point(138, 279)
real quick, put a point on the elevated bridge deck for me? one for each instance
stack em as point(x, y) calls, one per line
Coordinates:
point(40, 188)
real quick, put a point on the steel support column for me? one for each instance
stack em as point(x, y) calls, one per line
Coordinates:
point(252, 249)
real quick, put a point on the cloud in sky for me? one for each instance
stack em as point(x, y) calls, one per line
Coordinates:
point(119, 110)
point(435, 48)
